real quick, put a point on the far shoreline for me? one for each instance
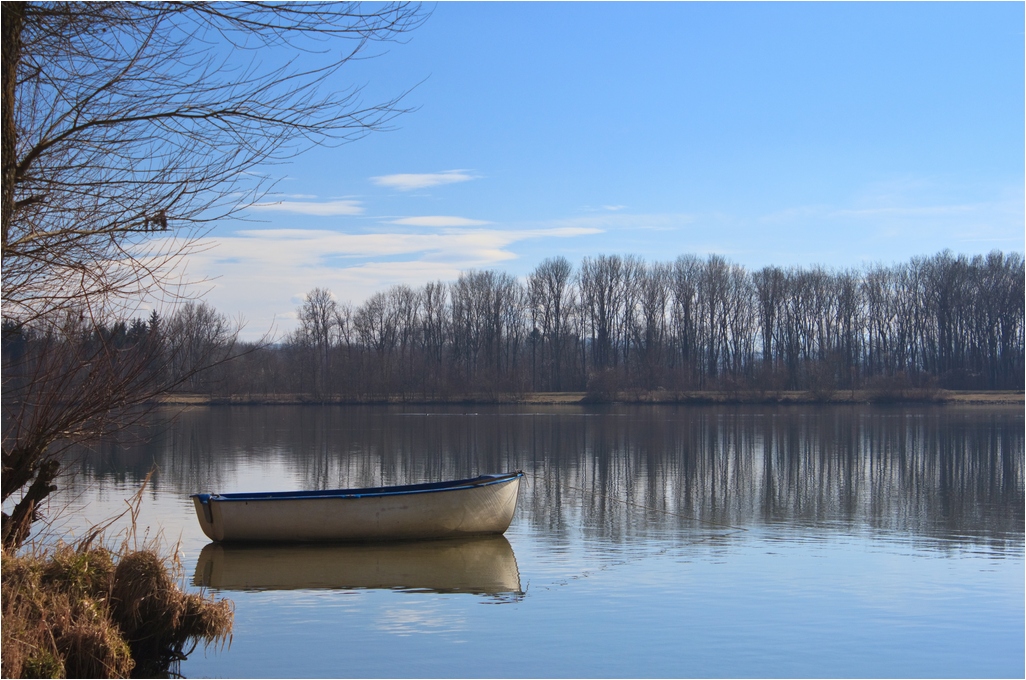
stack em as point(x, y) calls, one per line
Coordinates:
point(691, 397)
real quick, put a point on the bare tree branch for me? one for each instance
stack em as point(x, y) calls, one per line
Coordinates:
point(127, 129)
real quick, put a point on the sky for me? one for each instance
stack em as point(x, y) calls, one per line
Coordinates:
point(833, 134)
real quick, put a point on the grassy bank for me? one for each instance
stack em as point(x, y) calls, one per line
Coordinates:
point(86, 610)
point(892, 396)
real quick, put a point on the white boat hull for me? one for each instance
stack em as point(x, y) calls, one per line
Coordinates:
point(469, 507)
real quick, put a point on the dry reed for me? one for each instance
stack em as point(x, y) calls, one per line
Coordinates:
point(88, 611)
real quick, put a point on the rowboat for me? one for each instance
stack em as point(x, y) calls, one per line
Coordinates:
point(483, 565)
point(465, 507)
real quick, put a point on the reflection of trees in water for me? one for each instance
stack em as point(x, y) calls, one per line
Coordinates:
point(614, 472)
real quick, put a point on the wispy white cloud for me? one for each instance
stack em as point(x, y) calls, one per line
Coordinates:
point(412, 181)
point(439, 221)
point(320, 208)
point(613, 208)
point(307, 247)
point(260, 273)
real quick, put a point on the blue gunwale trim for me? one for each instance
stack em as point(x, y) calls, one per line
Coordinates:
point(483, 480)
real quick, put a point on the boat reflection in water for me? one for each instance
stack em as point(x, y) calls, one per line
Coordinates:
point(483, 565)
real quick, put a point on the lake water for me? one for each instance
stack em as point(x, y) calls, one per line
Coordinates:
point(648, 541)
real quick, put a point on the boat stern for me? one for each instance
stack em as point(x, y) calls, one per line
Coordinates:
point(205, 513)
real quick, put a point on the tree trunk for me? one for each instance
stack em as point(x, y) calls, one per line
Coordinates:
point(10, 45)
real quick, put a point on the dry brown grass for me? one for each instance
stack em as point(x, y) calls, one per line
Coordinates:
point(88, 611)
point(157, 618)
point(56, 619)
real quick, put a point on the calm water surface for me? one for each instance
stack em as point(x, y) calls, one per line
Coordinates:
point(649, 541)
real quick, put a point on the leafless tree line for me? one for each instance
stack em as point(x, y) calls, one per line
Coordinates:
point(618, 323)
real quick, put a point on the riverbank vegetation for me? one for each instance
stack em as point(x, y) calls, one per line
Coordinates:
point(615, 323)
point(99, 609)
point(620, 329)
point(84, 611)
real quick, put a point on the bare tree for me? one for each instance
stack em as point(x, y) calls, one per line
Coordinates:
point(376, 326)
point(551, 300)
point(126, 128)
point(510, 321)
point(770, 288)
point(318, 316)
point(405, 309)
point(77, 378)
point(654, 328)
point(685, 315)
point(713, 298)
point(601, 284)
point(627, 326)
point(434, 331)
point(197, 332)
point(878, 291)
point(125, 119)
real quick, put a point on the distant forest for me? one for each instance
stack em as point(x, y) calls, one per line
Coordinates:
point(618, 323)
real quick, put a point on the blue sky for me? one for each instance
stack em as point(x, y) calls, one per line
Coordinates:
point(771, 133)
